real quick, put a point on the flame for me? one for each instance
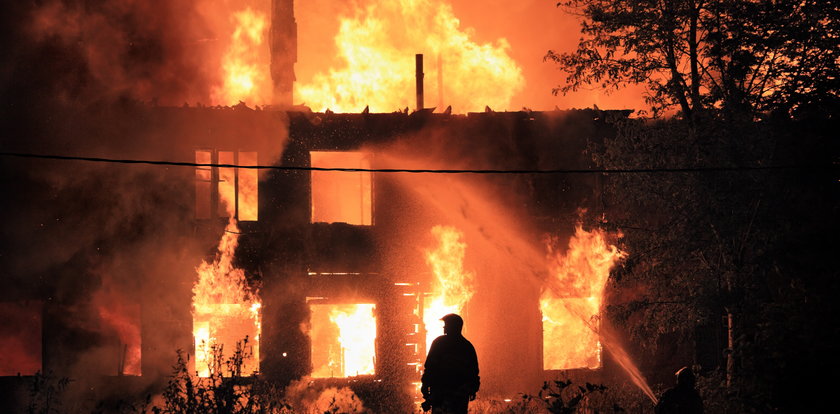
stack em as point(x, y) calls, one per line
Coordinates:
point(225, 311)
point(346, 347)
point(452, 287)
point(571, 304)
point(244, 68)
point(377, 47)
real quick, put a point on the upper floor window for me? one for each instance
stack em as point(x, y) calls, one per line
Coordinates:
point(20, 338)
point(341, 196)
point(226, 191)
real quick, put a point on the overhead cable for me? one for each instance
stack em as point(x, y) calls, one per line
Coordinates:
point(427, 171)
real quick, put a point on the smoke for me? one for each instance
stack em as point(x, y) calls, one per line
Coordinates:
point(122, 48)
point(107, 248)
point(111, 248)
point(309, 400)
point(502, 229)
point(82, 52)
point(20, 345)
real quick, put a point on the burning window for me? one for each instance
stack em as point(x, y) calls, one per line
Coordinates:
point(20, 338)
point(571, 303)
point(226, 191)
point(226, 314)
point(226, 332)
point(341, 196)
point(343, 340)
point(121, 324)
point(568, 341)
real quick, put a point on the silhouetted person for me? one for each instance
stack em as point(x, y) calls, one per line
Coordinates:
point(682, 399)
point(450, 378)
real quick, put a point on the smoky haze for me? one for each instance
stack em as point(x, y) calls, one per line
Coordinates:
point(101, 247)
point(83, 78)
point(504, 233)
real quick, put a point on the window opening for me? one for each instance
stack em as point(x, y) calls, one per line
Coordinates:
point(226, 191)
point(340, 196)
point(20, 338)
point(343, 339)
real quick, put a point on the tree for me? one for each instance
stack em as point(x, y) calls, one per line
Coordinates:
point(744, 57)
point(730, 265)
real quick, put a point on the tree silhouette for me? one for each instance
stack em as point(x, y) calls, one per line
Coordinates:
point(743, 57)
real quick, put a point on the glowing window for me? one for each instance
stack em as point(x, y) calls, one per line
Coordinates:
point(222, 330)
point(343, 340)
point(236, 189)
point(567, 340)
point(203, 182)
point(121, 323)
point(339, 196)
point(571, 301)
point(20, 338)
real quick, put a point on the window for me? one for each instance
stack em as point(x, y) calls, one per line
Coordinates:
point(224, 330)
point(120, 324)
point(226, 191)
point(569, 338)
point(341, 196)
point(343, 340)
point(20, 338)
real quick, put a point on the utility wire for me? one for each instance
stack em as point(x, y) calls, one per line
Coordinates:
point(427, 171)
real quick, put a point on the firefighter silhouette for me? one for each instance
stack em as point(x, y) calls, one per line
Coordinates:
point(450, 378)
point(683, 398)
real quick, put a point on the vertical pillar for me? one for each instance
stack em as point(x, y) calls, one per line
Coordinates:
point(419, 76)
point(283, 48)
point(440, 79)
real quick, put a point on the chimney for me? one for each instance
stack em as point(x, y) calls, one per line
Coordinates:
point(283, 47)
point(419, 75)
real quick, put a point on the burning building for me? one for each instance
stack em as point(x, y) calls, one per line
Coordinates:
point(317, 245)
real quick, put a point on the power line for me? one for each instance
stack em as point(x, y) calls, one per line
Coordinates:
point(425, 171)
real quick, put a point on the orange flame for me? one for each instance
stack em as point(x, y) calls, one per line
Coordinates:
point(225, 311)
point(453, 287)
point(572, 302)
point(245, 63)
point(346, 347)
point(377, 48)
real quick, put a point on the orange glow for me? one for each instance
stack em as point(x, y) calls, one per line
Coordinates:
point(244, 70)
point(571, 303)
point(225, 310)
point(203, 181)
point(248, 181)
point(343, 340)
point(227, 185)
point(376, 47)
point(123, 320)
point(20, 338)
point(452, 287)
point(238, 187)
point(341, 197)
